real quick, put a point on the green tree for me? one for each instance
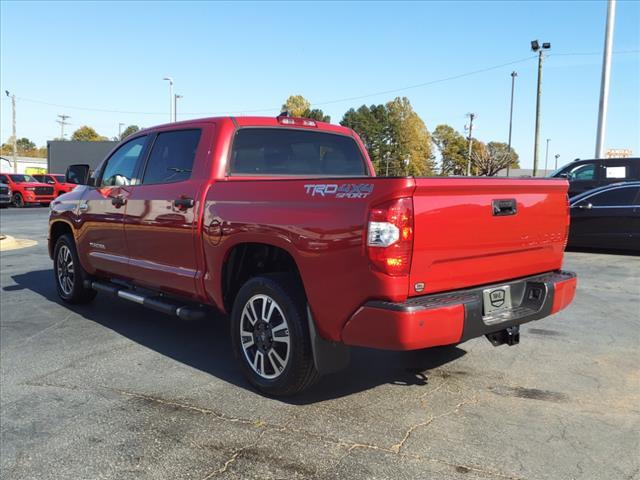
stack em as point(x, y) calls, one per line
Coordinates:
point(296, 105)
point(316, 114)
point(373, 126)
point(412, 142)
point(130, 130)
point(87, 134)
point(395, 137)
point(453, 148)
point(25, 145)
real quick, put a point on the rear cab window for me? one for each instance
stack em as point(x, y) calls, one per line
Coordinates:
point(172, 156)
point(291, 152)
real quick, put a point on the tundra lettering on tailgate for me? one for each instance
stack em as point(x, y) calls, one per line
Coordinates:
point(345, 190)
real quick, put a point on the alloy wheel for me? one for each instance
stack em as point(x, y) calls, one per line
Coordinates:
point(65, 270)
point(264, 335)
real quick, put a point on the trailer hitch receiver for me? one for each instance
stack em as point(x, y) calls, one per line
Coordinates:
point(509, 336)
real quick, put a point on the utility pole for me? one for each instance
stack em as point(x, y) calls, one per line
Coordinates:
point(606, 74)
point(175, 106)
point(514, 74)
point(62, 122)
point(546, 157)
point(120, 125)
point(14, 138)
point(539, 49)
point(170, 80)
point(557, 156)
point(471, 117)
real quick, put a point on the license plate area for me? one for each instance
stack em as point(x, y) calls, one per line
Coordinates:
point(495, 300)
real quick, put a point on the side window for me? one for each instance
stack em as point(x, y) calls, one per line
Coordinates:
point(617, 197)
point(122, 164)
point(583, 172)
point(172, 157)
point(616, 171)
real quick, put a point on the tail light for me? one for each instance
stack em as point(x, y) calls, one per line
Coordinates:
point(301, 122)
point(390, 236)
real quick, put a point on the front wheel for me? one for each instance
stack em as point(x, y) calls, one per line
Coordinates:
point(18, 201)
point(270, 335)
point(69, 274)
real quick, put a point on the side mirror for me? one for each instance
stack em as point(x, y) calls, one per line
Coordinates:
point(78, 174)
point(563, 175)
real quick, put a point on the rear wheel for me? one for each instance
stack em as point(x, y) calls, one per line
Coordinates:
point(69, 274)
point(270, 335)
point(17, 200)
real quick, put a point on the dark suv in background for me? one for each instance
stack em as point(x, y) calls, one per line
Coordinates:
point(586, 175)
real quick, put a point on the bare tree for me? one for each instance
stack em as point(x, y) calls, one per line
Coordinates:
point(489, 160)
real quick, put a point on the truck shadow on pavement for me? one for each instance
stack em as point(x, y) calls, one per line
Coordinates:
point(205, 345)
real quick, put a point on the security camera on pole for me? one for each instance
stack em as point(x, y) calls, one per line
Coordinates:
point(539, 49)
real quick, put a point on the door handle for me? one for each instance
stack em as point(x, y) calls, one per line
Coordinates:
point(504, 207)
point(183, 203)
point(118, 201)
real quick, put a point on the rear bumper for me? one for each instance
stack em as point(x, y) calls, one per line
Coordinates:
point(454, 317)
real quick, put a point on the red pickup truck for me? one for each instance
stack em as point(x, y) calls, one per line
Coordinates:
point(26, 190)
point(281, 223)
point(57, 181)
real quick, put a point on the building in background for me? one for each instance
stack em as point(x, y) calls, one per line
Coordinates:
point(26, 165)
point(61, 154)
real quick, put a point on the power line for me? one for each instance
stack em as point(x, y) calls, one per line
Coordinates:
point(327, 102)
point(432, 82)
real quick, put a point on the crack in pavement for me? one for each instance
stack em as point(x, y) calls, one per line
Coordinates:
point(395, 449)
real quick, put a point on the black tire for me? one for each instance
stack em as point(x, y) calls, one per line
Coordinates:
point(298, 371)
point(17, 200)
point(69, 274)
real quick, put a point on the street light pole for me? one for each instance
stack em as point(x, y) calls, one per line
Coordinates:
point(170, 80)
point(471, 117)
point(539, 49)
point(557, 156)
point(175, 106)
point(546, 157)
point(606, 74)
point(514, 74)
point(14, 138)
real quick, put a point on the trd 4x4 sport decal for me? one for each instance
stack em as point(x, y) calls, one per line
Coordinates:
point(345, 190)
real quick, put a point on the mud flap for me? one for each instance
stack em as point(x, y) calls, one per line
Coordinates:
point(329, 357)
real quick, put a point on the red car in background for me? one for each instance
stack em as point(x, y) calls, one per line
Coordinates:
point(27, 190)
point(56, 180)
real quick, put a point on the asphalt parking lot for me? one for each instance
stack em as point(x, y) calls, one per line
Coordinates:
point(114, 391)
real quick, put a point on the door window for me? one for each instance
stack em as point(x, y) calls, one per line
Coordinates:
point(121, 166)
point(616, 172)
point(617, 197)
point(583, 172)
point(172, 157)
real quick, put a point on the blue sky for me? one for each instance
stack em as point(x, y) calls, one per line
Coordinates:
point(241, 57)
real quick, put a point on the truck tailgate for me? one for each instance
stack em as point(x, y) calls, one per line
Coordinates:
point(471, 231)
